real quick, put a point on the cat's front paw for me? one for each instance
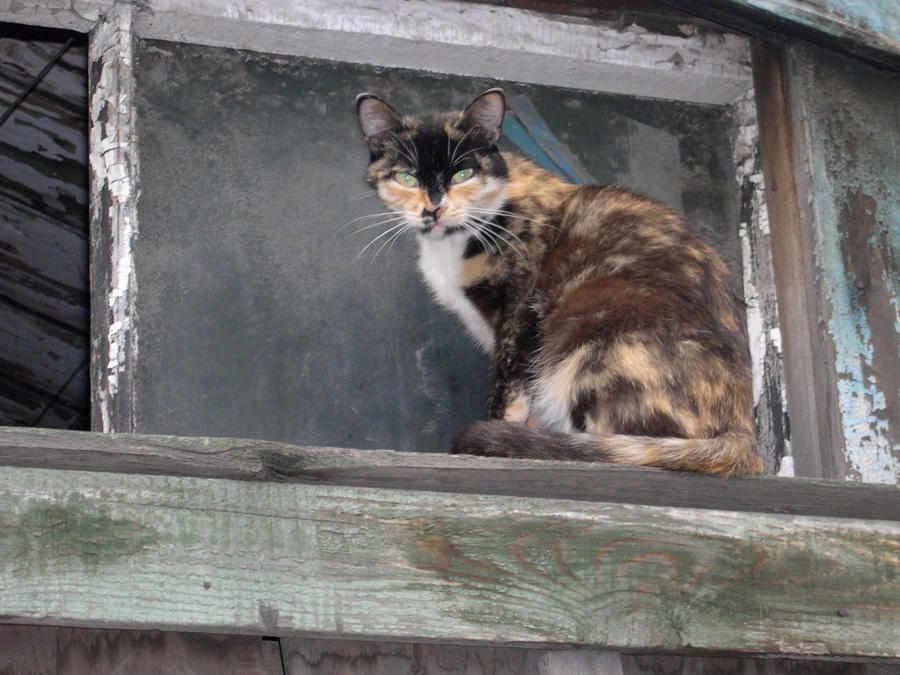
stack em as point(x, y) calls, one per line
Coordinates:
point(517, 410)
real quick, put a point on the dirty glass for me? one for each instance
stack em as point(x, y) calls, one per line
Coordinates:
point(259, 314)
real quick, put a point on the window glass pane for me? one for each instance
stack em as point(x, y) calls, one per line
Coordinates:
point(258, 315)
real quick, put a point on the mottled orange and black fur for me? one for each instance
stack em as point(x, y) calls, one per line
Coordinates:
point(614, 333)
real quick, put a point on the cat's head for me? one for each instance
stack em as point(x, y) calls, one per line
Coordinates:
point(442, 172)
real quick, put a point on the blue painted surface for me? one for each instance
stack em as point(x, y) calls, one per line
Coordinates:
point(875, 23)
point(518, 135)
point(852, 134)
point(527, 130)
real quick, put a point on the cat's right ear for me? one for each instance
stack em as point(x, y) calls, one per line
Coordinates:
point(486, 113)
point(377, 120)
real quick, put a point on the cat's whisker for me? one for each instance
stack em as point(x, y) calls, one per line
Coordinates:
point(396, 229)
point(388, 243)
point(453, 158)
point(387, 218)
point(500, 241)
point(495, 224)
point(466, 154)
point(380, 223)
point(361, 195)
point(498, 212)
point(482, 237)
point(409, 151)
point(486, 228)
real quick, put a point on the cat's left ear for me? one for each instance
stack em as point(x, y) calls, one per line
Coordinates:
point(486, 112)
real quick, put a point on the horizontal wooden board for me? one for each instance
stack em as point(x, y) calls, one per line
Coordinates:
point(212, 554)
point(244, 459)
point(463, 38)
point(40, 650)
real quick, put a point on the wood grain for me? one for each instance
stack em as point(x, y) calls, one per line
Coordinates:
point(113, 163)
point(345, 657)
point(216, 555)
point(809, 391)
point(39, 650)
point(43, 234)
point(243, 459)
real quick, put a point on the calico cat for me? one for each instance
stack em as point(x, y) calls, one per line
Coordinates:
point(614, 333)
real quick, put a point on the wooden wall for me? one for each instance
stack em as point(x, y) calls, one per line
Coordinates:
point(837, 226)
point(43, 233)
point(829, 130)
point(34, 650)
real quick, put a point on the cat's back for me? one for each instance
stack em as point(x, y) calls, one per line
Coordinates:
point(641, 333)
point(614, 242)
point(628, 268)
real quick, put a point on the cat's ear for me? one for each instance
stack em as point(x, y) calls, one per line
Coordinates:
point(486, 112)
point(376, 119)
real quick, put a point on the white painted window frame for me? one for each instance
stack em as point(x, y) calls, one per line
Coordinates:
point(433, 35)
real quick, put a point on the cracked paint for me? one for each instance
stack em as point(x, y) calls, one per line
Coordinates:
point(848, 114)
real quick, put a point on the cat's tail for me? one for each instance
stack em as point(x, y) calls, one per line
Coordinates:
point(730, 454)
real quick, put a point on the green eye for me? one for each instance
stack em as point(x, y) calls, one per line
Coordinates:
point(462, 175)
point(405, 178)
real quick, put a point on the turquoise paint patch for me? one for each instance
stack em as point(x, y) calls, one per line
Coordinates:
point(831, 16)
point(851, 129)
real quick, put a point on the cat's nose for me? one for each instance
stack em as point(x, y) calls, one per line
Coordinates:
point(432, 215)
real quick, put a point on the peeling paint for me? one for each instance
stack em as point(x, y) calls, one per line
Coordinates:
point(465, 38)
point(764, 334)
point(873, 24)
point(848, 116)
point(81, 527)
point(113, 163)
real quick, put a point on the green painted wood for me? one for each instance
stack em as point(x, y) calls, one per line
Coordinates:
point(136, 551)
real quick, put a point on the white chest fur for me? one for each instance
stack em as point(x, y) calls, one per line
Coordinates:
point(440, 261)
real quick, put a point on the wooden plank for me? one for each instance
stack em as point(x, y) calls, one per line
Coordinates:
point(28, 650)
point(114, 174)
point(21, 405)
point(449, 37)
point(869, 30)
point(835, 244)
point(808, 386)
point(213, 555)
point(44, 264)
point(34, 650)
point(44, 186)
point(242, 459)
point(844, 113)
point(769, 392)
point(326, 657)
point(42, 355)
point(119, 651)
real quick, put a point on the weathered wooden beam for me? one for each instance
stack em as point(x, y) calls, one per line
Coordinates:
point(462, 38)
point(68, 651)
point(867, 30)
point(242, 459)
point(762, 312)
point(432, 560)
point(834, 246)
point(113, 161)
